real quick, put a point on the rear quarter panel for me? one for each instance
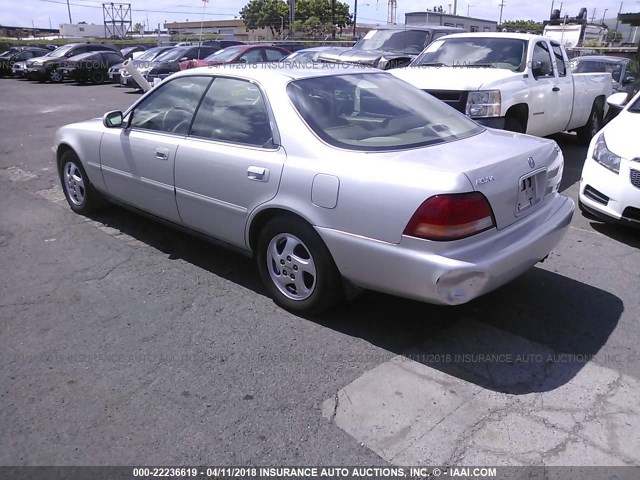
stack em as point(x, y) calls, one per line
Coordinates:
point(587, 87)
point(84, 139)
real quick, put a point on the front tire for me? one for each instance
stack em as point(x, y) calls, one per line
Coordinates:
point(296, 267)
point(97, 77)
point(55, 76)
point(81, 196)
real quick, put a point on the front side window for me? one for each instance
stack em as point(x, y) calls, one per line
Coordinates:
point(233, 111)
point(375, 111)
point(252, 56)
point(273, 55)
point(557, 53)
point(541, 60)
point(170, 108)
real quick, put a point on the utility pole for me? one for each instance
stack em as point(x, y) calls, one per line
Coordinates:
point(618, 21)
point(603, 15)
point(593, 17)
point(501, 7)
point(69, 8)
point(355, 16)
point(551, 11)
point(333, 19)
point(455, 7)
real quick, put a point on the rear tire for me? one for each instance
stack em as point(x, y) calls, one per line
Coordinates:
point(81, 195)
point(55, 76)
point(97, 77)
point(594, 124)
point(296, 267)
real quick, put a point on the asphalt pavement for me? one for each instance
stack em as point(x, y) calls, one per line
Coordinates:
point(124, 342)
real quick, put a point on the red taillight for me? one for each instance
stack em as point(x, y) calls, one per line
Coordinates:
point(450, 217)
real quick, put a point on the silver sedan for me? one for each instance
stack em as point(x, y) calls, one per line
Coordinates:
point(335, 179)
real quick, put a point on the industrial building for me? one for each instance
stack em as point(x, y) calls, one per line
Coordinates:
point(470, 24)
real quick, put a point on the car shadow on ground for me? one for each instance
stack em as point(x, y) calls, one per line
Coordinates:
point(507, 341)
point(574, 154)
point(621, 233)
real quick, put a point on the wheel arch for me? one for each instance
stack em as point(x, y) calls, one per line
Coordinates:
point(259, 219)
point(519, 111)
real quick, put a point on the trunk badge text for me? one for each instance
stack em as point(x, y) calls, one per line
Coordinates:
point(483, 180)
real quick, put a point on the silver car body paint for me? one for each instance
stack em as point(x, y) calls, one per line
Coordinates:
point(359, 202)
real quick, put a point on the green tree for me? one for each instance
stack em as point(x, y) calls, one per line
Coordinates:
point(312, 16)
point(522, 25)
point(138, 27)
point(614, 37)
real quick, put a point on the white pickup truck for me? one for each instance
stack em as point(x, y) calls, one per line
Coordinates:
point(517, 82)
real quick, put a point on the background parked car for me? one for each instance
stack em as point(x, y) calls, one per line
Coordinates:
point(239, 54)
point(220, 44)
point(310, 55)
point(389, 47)
point(624, 71)
point(129, 51)
point(92, 66)
point(169, 62)
point(10, 57)
point(114, 73)
point(46, 67)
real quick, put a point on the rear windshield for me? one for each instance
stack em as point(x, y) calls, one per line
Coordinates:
point(225, 54)
point(507, 53)
point(376, 111)
point(401, 41)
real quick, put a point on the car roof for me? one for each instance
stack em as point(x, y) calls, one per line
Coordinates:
point(429, 28)
point(602, 58)
point(515, 36)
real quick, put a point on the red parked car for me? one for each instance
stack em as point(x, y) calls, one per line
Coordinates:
point(239, 54)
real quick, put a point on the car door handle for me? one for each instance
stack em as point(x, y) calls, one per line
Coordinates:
point(162, 153)
point(259, 174)
point(556, 89)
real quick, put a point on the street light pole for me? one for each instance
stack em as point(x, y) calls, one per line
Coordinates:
point(603, 15)
point(69, 9)
point(501, 7)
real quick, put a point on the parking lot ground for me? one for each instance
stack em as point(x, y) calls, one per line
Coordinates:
point(124, 342)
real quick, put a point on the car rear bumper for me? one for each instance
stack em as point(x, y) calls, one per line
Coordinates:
point(451, 273)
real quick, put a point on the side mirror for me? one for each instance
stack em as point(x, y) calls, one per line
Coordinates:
point(540, 69)
point(112, 119)
point(628, 79)
point(617, 100)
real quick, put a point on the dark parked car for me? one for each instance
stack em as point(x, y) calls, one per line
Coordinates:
point(148, 56)
point(169, 62)
point(129, 51)
point(239, 54)
point(220, 44)
point(10, 57)
point(389, 47)
point(624, 71)
point(92, 66)
point(47, 67)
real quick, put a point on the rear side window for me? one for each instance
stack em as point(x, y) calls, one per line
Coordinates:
point(233, 111)
point(557, 53)
point(170, 108)
point(273, 55)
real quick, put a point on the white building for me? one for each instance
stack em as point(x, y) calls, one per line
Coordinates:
point(470, 24)
point(81, 30)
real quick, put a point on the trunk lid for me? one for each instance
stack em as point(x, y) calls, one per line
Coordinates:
point(499, 165)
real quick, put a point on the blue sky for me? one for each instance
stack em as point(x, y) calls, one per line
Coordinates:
point(45, 12)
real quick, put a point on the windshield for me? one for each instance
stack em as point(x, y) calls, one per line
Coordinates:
point(171, 55)
point(597, 66)
point(505, 53)
point(401, 41)
point(151, 54)
point(224, 54)
point(375, 111)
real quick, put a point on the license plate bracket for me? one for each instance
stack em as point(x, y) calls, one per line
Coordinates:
point(530, 191)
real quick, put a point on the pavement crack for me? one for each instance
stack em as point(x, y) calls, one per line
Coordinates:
point(336, 403)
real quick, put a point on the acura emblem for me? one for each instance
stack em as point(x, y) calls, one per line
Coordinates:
point(532, 164)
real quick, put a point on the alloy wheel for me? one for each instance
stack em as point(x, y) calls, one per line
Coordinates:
point(291, 266)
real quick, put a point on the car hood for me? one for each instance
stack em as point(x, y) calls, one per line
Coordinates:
point(618, 132)
point(45, 59)
point(452, 78)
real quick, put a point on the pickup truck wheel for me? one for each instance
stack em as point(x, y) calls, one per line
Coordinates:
point(296, 266)
point(594, 124)
point(82, 197)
